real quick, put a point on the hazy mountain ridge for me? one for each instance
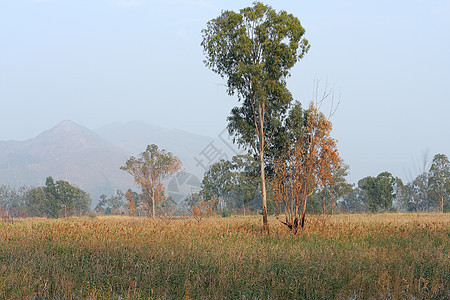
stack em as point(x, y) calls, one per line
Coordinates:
point(69, 152)
point(92, 159)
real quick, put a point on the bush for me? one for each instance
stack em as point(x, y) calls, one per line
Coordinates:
point(225, 213)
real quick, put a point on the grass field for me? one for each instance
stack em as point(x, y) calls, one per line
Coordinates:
point(345, 257)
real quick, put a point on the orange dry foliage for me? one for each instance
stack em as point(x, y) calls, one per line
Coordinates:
point(307, 167)
point(203, 209)
point(131, 205)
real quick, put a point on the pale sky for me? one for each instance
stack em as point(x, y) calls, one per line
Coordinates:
point(97, 62)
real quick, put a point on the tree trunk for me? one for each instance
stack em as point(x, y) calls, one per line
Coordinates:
point(303, 213)
point(263, 174)
point(153, 204)
point(264, 195)
point(296, 218)
point(442, 204)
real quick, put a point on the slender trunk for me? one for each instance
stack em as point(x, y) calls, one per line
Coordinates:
point(333, 204)
point(305, 198)
point(442, 204)
point(153, 204)
point(287, 207)
point(303, 213)
point(296, 218)
point(263, 174)
point(263, 193)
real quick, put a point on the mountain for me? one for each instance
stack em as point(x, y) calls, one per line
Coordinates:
point(69, 152)
point(92, 159)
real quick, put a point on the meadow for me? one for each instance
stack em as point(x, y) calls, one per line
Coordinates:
point(396, 256)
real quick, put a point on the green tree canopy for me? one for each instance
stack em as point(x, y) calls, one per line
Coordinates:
point(380, 191)
point(218, 182)
point(57, 197)
point(246, 183)
point(231, 182)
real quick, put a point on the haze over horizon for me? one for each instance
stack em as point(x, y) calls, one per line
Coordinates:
point(99, 62)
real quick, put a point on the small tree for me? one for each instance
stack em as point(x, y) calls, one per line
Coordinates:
point(57, 197)
point(354, 201)
point(231, 182)
point(380, 191)
point(101, 205)
point(439, 180)
point(36, 199)
point(245, 179)
point(115, 202)
point(13, 201)
point(150, 170)
point(131, 202)
point(385, 185)
point(218, 183)
point(71, 198)
point(52, 205)
point(417, 191)
point(307, 167)
point(198, 207)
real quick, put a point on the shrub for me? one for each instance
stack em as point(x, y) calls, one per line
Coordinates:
point(225, 213)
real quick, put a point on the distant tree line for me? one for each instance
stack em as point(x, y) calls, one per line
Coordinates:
point(233, 185)
point(428, 192)
point(130, 203)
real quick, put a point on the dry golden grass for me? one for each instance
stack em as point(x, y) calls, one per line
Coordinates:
point(340, 257)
